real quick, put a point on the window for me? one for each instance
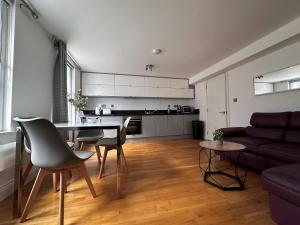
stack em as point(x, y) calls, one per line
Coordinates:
point(70, 89)
point(5, 65)
point(295, 84)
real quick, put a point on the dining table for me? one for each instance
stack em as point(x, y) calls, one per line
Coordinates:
point(69, 126)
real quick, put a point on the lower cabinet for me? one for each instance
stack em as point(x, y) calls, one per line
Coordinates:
point(167, 125)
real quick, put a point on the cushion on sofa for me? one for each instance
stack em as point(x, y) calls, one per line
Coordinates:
point(270, 120)
point(294, 122)
point(284, 182)
point(268, 133)
point(284, 152)
point(292, 136)
point(249, 141)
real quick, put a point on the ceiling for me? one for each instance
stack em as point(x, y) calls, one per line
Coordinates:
point(117, 36)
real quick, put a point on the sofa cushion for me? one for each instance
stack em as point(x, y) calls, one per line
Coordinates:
point(292, 136)
point(283, 151)
point(249, 141)
point(270, 120)
point(268, 133)
point(284, 182)
point(294, 122)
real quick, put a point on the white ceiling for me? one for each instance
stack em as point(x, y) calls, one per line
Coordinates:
point(117, 36)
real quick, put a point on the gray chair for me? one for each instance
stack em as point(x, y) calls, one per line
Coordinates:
point(90, 137)
point(51, 154)
point(111, 143)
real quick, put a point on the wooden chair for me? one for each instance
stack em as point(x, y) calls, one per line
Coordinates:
point(51, 154)
point(110, 144)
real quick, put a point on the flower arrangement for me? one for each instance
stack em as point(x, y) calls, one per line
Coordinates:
point(77, 100)
point(218, 136)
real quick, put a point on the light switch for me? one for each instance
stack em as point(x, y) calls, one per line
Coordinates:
point(235, 100)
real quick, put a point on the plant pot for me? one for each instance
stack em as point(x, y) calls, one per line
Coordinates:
point(220, 142)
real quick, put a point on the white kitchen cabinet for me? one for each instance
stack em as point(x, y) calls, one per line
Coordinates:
point(187, 123)
point(179, 83)
point(126, 80)
point(187, 93)
point(129, 91)
point(98, 78)
point(98, 90)
point(157, 82)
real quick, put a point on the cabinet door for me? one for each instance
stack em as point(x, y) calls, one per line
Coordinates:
point(129, 91)
point(161, 125)
point(98, 90)
point(187, 93)
point(157, 82)
point(175, 124)
point(187, 123)
point(149, 126)
point(98, 78)
point(129, 80)
point(151, 92)
point(179, 83)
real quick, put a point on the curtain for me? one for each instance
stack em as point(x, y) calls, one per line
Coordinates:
point(60, 105)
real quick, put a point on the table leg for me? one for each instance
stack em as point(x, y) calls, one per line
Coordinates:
point(118, 162)
point(17, 196)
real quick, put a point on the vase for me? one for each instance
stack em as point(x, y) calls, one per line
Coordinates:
point(220, 142)
point(77, 116)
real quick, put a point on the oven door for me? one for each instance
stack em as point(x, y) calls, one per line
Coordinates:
point(134, 126)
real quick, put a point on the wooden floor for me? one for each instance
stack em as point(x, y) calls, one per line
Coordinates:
point(163, 186)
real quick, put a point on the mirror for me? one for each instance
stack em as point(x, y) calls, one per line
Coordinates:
point(287, 79)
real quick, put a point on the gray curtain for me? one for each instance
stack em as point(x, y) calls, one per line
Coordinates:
point(60, 105)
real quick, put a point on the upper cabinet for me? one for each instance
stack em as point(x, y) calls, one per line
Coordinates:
point(94, 84)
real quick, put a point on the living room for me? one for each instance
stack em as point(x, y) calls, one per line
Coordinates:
point(174, 112)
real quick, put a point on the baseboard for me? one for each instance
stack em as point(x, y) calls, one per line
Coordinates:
point(6, 189)
point(158, 138)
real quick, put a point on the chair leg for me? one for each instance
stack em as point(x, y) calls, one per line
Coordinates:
point(124, 159)
point(54, 181)
point(62, 197)
point(33, 193)
point(81, 145)
point(103, 163)
point(26, 173)
point(98, 154)
point(85, 174)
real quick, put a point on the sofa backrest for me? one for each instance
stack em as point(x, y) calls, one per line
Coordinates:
point(270, 120)
point(269, 125)
point(276, 134)
point(293, 132)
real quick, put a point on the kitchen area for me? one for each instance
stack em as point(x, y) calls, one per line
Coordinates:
point(158, 107)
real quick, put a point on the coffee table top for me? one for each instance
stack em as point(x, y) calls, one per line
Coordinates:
point(226, 147)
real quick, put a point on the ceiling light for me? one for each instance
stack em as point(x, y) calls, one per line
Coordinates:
point(156, 51)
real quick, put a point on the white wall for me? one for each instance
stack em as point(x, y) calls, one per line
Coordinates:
point(240, 82)
point(34, 57)
point(136, 103)
point(32, 80)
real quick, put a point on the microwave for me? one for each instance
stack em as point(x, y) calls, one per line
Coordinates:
point(187, 109)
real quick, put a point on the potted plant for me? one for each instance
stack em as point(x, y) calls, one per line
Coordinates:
point(218, 136)
point(79, 102)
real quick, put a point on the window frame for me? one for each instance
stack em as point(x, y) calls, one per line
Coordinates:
point(6, 69)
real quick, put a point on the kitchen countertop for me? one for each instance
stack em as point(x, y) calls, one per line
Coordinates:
point(140, 113)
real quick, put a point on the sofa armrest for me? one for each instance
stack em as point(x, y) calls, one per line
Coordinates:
point(233, 131)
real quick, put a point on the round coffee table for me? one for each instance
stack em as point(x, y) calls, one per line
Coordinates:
point(209, 173)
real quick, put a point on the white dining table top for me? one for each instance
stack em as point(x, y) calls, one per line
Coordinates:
point(79, 124)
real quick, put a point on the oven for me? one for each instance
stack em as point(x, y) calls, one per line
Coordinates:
point(134, 125)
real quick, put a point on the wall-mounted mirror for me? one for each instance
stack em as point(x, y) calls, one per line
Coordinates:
point(287, 79)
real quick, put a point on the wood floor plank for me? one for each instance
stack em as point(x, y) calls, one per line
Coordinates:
point(163, 186)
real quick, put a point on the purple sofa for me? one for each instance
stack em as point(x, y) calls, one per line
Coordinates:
point(273, 147)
